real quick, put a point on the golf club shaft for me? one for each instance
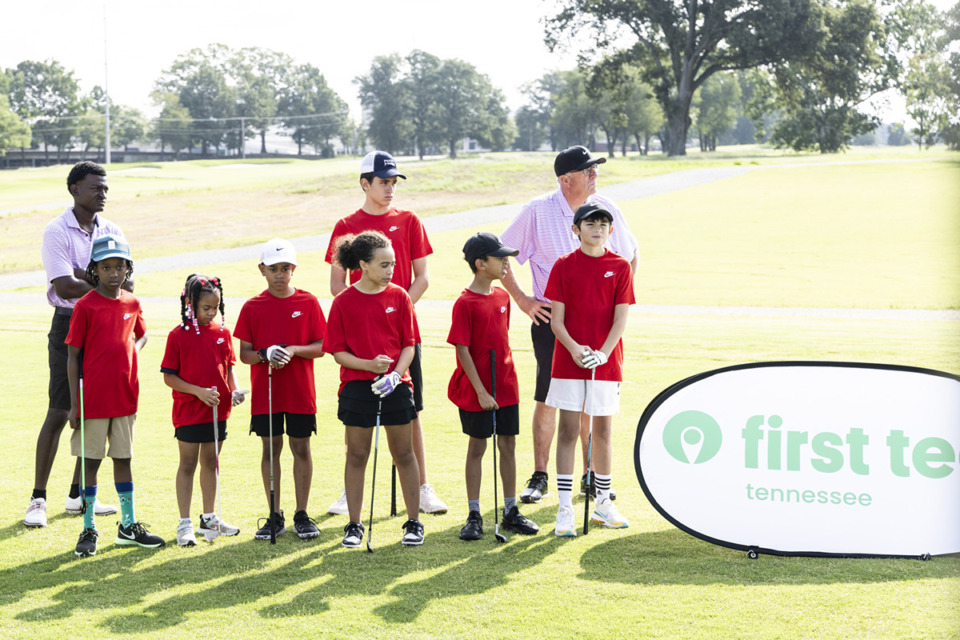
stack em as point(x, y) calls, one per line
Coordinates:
point(270, 522)
point(216, 455)
point(586, 500)
point(493, 392)
point(373, 482)
point(83, 456)
point(393, 489)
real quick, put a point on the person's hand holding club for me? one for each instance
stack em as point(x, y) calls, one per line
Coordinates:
point(238, 396)
point(385, 385)
point(593, 359)
point(277, 356)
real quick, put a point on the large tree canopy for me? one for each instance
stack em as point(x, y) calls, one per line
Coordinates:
point(681, 43)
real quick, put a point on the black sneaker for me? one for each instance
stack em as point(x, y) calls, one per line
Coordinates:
point(352, 535)
point(413, 533)
point(137, 535)
point(514, 521)
point(536, 488)
point(593, 488)
point(473, 530)
point(304, 526)
point(87, 544)
point(276, 521)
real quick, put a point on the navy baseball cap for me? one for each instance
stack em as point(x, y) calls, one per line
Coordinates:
point(574, 159)
point(109, 246)
point(485, 244)
point(380, 164)
point(591, 210)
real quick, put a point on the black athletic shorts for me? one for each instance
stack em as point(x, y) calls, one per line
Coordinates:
point(479, 424)
point(543, 341)
point(198, 433)
point(59, 389)
point(357, 406)
point(416, 376)
point(299, 425)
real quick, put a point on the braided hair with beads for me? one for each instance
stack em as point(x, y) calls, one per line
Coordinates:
point(193, 288)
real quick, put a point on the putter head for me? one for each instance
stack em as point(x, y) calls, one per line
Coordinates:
point(369, 548)
point(499, 536)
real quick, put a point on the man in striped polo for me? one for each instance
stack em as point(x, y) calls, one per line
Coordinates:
point(66, 252)
point(542, 232)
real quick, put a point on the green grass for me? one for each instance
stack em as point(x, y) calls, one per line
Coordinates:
point(650, 580)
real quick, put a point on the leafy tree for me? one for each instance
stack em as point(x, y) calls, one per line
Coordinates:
point(313, 110)
point(466, 106)
point(47, 95)
point(681, 43)
point(532, 128)
point(260, 76)
point(575, 115)
point(498, 131)
point(172, 127)
point(385, 98)
point(127, 125)
point(92, 129)
point(951, 132)
point(626, 105)
point(533, 119)
point(716, 105)
point(14, 132)
point(897, 135)
point(422, 86)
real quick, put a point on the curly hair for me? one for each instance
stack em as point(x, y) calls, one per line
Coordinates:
point(81, 170)
point(354, 249)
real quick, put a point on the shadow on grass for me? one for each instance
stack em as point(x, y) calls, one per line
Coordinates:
point(672, 557)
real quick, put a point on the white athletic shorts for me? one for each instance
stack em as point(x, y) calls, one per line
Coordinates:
point(595, 398)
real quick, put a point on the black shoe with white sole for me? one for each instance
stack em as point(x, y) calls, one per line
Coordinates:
point(352, 535)
point(276, 521)
point(136, 534)
point(473, 529)
point(514, 521)
point(412, 533)
point(537, 487)
point(87, 544)
point(304, 526)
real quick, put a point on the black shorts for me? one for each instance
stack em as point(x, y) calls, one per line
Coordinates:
point(357, 406)
point(58, 390)
point(479, 424)
point(299, 425)
point(543, 342)
point(416, 376)
point(198, 433)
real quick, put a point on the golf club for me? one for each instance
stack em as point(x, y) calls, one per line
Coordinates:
point(211, 535)
point(493, 391)
point(273, 527)
point(83, 457)
point(586, 500)
point(393, 489)
point(373, 483)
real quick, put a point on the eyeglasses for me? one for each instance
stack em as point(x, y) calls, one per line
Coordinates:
point(592, 170)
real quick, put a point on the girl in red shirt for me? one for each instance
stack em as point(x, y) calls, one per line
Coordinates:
point(371, 333)
point(198, 365)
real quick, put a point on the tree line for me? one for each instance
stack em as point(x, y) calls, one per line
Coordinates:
point(795, 73)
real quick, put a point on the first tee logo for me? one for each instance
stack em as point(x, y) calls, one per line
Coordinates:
point(692, 437)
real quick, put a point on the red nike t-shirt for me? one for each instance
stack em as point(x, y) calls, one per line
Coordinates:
point(405, 231)
point(266, 320)
point(371, 324)
point(203, 360)
point(105, 329)
point(590, 289)
point(481, 323)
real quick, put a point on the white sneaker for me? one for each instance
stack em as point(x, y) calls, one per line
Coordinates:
point(606, 514)
point(429, 502)
point(214, 524)
point(36, 513)
point(75, 507)
point(565, 527)
point(339, 506)
point(185, 537)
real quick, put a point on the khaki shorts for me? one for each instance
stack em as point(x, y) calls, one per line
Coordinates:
point(594, 398)
point(98, 431)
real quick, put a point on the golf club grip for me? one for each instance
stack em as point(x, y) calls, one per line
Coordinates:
point(493, 373)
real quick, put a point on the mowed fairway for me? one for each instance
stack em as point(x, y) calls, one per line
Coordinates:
point(788, 238)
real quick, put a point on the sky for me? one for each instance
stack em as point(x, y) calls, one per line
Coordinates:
point(502, 38)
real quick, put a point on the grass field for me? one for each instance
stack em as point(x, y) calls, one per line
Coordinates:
point(876, 236)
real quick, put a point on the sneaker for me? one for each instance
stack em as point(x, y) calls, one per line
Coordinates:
point(74, 507)
point(304, 526)
point(137, 535)
point(593, 488)
point(565, 527)
point(276, 521)
point(185, 537)
point(339, 506)
point(429, 502)
point(213, 524)
point(352, 535)
point(412, 533)
point(514, 521)
point(536, 488)
point(473, 530)
point(87, 544)
point(36, 513)
point(607, 515)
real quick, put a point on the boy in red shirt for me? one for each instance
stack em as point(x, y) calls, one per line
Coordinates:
point(481, 322)
point(592, 290)
point(378, 179)
point(282, 328)
point(106, 332)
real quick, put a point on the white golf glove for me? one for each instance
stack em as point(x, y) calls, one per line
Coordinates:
point(238, 396)
point(386, 385)
point(277, 354)
point(593, 359)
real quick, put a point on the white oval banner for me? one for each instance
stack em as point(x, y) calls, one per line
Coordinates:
point(808, 458)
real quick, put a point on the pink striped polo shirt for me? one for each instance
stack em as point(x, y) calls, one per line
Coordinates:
point(66, 246)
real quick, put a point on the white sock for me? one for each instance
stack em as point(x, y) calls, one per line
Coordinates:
point(603, 487)
point(565, 489)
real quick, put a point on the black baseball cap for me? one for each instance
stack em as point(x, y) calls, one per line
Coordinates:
point(574, 159)
point(380, 164)
point(485, 244)
point(591, 210)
